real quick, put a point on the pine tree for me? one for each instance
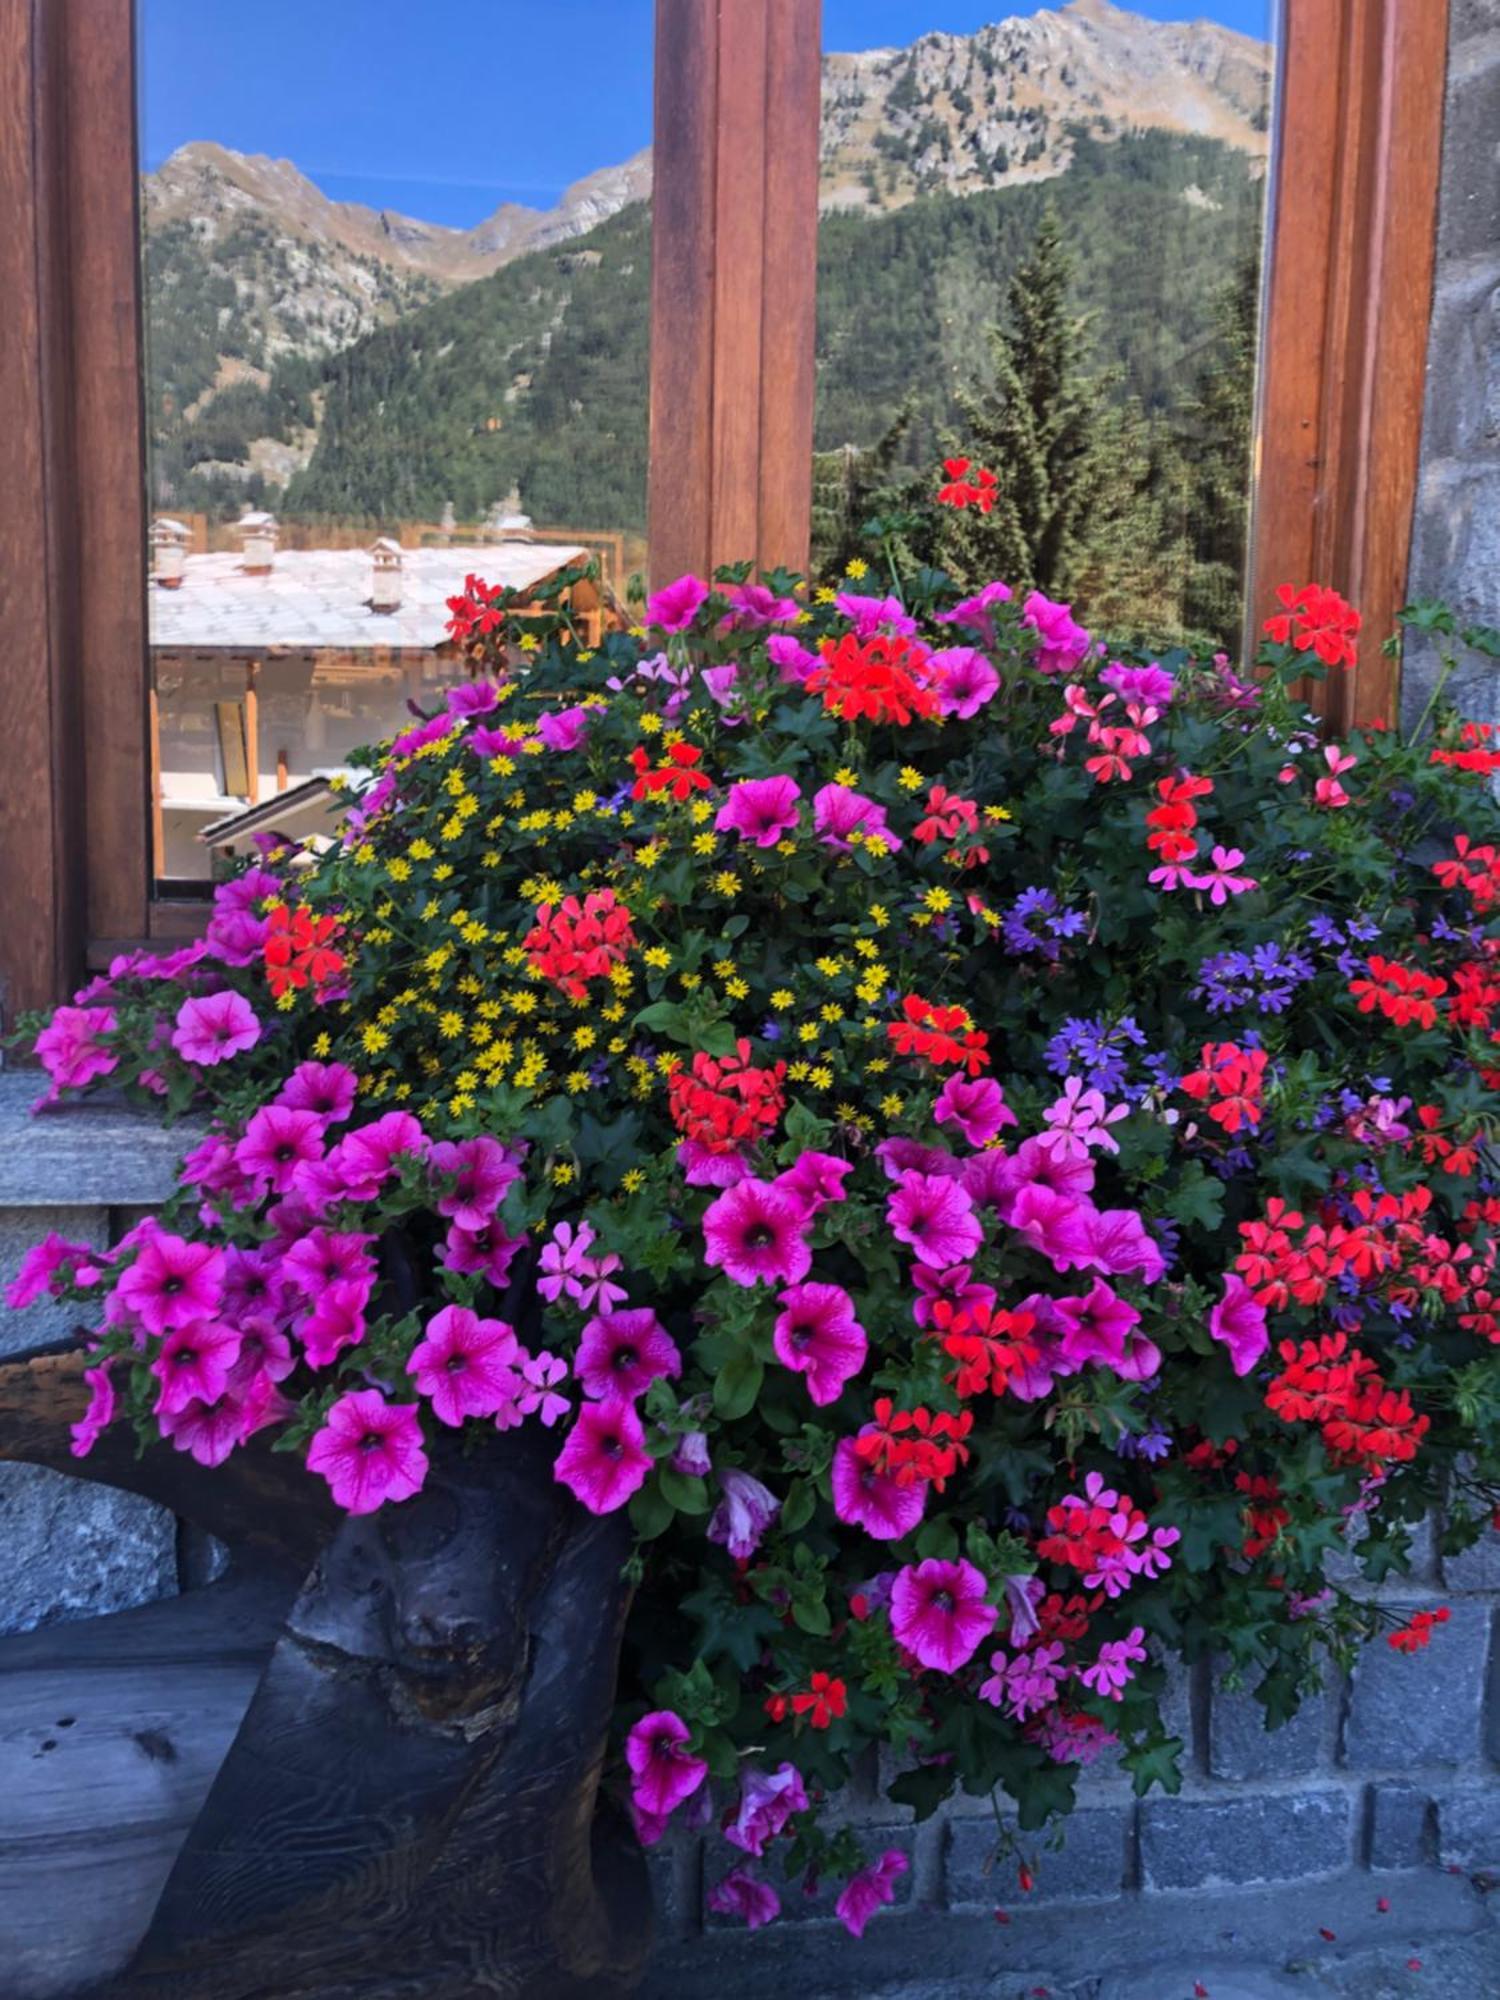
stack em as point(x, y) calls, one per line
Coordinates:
point(1214, 445)
point(1075, 516)
point(854, 484)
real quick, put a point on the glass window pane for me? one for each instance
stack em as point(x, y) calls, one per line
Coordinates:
point(1041, 247)
point(389, 342)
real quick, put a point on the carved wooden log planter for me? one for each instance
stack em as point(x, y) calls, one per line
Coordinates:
point(366, 1763)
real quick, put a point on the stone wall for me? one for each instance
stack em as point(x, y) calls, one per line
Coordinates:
point(1456, 531)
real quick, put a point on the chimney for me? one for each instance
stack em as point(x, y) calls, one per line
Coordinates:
point(257, 530)
point(169, 540)
point(385, 583)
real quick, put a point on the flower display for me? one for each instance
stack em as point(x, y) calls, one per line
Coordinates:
point(976, 1142)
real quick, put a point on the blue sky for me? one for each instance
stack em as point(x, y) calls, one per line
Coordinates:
point(446, 108)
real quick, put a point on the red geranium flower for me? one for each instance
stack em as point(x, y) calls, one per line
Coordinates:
point(1315, 619)
point(298, 952)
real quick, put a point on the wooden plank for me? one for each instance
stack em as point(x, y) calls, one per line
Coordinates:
point(682, 277)
point(790, 283)
point(106, 383)
point(739, 278)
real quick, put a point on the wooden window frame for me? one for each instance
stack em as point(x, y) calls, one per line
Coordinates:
point(1354, 193)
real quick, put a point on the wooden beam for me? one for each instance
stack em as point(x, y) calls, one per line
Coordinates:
point(734, 305)
point(1349, 296)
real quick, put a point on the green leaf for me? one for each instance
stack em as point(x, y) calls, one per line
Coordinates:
point(737, 1384)
point(923, 1789)
point(685, 1491)
point(650, 1511)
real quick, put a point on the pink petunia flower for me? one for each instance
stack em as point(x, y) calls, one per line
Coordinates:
point(763, 810)
point(1056, 1225)
point(1121, 1243)
point(564, 729)
point(664, 1773)
point(485, 1172)
point(753, 605)
point(939, 1613)
point(768, 1800)
point(369, 1451)
point(839, 813)
point(466, 1366)
point(1063, 640)
point(954, 1285)
point(604, 1458)
point(817, 1335)
point(966, 681)
point(753, 1233)
point(1238, 1322)
point(623, 1353)
point(215, 1028)
point(326, 1089)
point(872, 1500)
point(975, 613)
point(976, 1105)
point(815, 1180)
point(337, 1321)
point(100, 1413)
point(194, 1363)
point(487, 1253)
point(791, 659)
point(277, 1141)
point(743, 1514)
point(871, 1888)
point(71, 1048)
point(368, 1156)
point(172, 1283)
point(935, 1216)
point(674, 607)
point(743, 1895)
point(211, 1431)
point(52, 1266)
point(1097, 1327)
point(870, 615)
point(330, 1257)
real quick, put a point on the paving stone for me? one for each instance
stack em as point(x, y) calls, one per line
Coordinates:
point(1089, 1867)
point(1200, 1843)
point(70, 1549)
point(1469, 1828)
point(1400, 1826)
point(1407, 1710)
point(1241, 1746)
point(20, 1228)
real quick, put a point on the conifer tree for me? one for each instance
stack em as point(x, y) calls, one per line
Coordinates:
point(1214, 463)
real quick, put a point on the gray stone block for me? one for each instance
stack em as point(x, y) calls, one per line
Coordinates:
point(1202, 1843)
point(1400, 1826)
point(797, 1907)
point(1407, 1710)
point(1090, 1866)
point(1472, 17)
point(1469, 1828)
point(69, 1549)
point(1241, 1746)
point(674, 1866)
point(91, 1154)
point(20, 1228)
point(1476, 1568)
point(1469, 205)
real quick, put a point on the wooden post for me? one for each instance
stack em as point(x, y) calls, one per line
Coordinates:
point(734, 283)
point(252, 733)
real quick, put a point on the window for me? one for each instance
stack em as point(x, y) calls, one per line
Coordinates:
point(729, 313)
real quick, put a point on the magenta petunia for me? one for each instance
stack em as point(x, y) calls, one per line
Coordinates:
point(817, 1335)
point(72, 1050)
point(100, 1413)
point(467, 1366)
point(215, 1028)
point(209, 1432)
point(325, 1088)
point(1238, 1322)
point(194, 1362)
point(976, 613)
point(745, 1511)
point(754, 1234)
point(1122, 1243)
point(966, 681)
point(976, 1105)
point(623, 1353)
point(482, 1172)
point(869, 615)
point(370, 1451)
point(1056, 1225)
point(839, 814)
point(1062, 640)
point(330, 1257)
point(815, 1179)
point(277, 1142)
point(604, 1458)
point(337, 1321)
point(664, 1773)
point(935, 1216)
point(763, 810)
point(791, 659)
point(768, 1800)
point(954, 1285)
point(564, 729)
point(869, 1890)
point(172, 1282)
point(743, 1895)
point(873, 1500)
point(1098, 1327)
point(50, 1266)
point(368, 1156)
point(674, 607)
point(487, 1253)
point(939, 1613)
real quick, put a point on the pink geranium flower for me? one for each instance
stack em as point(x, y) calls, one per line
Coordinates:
point(865, 1892)
point(976, 1105)
point(1219, 878)
point(674, 607)
point(71, 1047)
point(194, 1362)
point(939, 1614)
point(324, 1088)
point(965, 681)
point(485, 1171)
point(872, 1500)
point(764, 810)
point(369, 1451)
point(172, 1283)
point(604, 1458)
point(212, 1029)
point(623, 1353)
point(542, 1397)
point(753, 1233)
point(768, 1800)
point(277, 1142)
point(839, 812)
point(664, 1773)
point(466, 1366)
point(337, 1321)
point(1238, 1322)
point(818, 1336)
point(935, 1216)
point(743, 1895)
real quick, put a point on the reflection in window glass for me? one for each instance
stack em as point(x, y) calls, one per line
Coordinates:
point(389, 343)
point(1041, 246)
